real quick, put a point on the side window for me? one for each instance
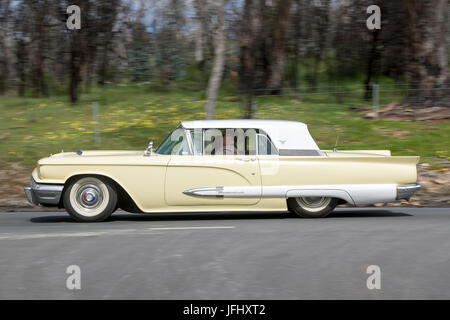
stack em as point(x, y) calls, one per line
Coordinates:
point(175, 143)
point(212, 142)
point(197, 140)
point(265, 146)
point(229, 142)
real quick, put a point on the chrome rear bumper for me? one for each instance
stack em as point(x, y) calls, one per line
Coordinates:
point(406, 192)
point(46, 194)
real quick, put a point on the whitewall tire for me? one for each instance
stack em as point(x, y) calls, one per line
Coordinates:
point(312, 207)
point(90, 199)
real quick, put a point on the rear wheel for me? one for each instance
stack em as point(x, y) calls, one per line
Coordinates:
point(90, 199)
point(312, 207)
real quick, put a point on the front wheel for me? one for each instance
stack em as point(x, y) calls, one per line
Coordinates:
point(312, 207)
point(90, 199)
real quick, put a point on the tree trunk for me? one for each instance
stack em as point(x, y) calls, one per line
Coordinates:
point(251, 49)
point(315, 74)
point(108, 16)
point(428, 62)
point(4, 56)
point(200, 32)
point(39, 38)
point(4, 66)
point(319, 30)
point(199, 44)
point(75, 65)
point(276, 62)
point(371, 63)
point(218, 64)
point(21, 56)
point(90, 64)
point(103, 65)
point(296, 47)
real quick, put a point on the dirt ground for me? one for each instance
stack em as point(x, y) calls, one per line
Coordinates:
point(435, 190)
point(398, 112)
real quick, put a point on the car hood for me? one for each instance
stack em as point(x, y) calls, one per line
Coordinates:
point(93, 157)
point(98, 153)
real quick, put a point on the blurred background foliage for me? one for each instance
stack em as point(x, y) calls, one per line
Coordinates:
point(151, 64)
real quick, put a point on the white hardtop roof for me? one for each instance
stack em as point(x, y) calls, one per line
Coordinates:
point(284, 134)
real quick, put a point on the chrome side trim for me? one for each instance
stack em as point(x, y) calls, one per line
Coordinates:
point(204, 192)
point(333, 193)
point(406, 192)
point(354, 194)
point(47, 194)
point(298, 152)
point(229, 192)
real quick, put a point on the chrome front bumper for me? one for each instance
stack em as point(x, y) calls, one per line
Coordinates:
point(46, 194)
point(406, 192)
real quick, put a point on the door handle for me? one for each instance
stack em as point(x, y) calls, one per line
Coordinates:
point(247, 159)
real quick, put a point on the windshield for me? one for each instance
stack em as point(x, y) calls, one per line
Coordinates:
point(175, 143)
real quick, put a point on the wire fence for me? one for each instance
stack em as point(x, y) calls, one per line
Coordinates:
point(52, 125)
point(356, 95)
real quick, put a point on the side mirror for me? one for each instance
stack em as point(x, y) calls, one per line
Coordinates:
point(149, 150)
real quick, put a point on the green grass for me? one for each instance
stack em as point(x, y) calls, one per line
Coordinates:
point(32, 128)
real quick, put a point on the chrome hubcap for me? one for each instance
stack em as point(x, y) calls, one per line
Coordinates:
point(313, 204)
point(89, 196)
point(314, 201)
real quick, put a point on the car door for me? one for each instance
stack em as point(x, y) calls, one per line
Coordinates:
point(211, 173)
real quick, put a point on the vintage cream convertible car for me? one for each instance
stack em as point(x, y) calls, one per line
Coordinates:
point(222, 165)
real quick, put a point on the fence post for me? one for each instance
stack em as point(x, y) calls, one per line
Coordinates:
point(375, 99)
point(254, 105)
point(95, 109)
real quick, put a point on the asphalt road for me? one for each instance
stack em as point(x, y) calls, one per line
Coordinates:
point(228, 255)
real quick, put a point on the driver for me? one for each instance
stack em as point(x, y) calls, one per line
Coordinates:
point(229, 147)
